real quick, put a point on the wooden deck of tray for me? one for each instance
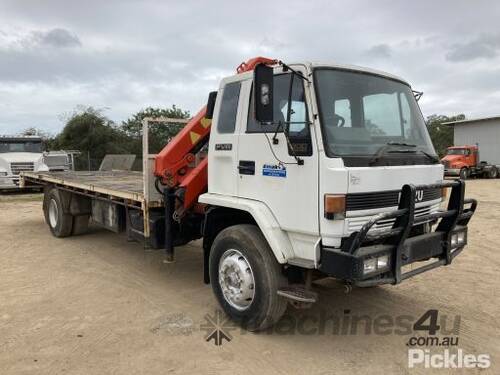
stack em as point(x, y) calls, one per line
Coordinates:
point(128, 185)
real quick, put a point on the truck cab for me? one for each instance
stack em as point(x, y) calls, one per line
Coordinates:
point(25, 154)
point(459, 159)
point(339, 174)
point(358, 133)
point(464, 161)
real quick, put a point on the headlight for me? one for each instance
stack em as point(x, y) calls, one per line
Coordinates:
point(42, 168)
point(370, 265)
point(382, 261)
point(457, 239)
point(379, 263)
point(454, 240)
point(3, 174)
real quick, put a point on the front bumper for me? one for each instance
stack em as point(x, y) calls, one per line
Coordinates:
point(400, 246)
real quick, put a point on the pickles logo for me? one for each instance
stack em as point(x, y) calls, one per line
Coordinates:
point(447, 359)
point(443, 349)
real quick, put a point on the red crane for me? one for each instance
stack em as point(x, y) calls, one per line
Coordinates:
point(175, 165)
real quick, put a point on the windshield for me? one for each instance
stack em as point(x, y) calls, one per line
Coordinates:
point(361, 113)
point(17, 146)
point(456, 151)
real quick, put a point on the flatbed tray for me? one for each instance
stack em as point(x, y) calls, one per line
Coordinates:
point(113, 185)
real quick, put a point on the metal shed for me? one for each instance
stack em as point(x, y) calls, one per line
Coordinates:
point(483, 131)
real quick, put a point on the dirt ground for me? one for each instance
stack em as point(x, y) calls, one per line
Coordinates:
point(97, 304)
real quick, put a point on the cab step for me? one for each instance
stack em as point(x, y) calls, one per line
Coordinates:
point(298, 293)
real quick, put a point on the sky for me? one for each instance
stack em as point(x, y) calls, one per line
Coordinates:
point(123, 56)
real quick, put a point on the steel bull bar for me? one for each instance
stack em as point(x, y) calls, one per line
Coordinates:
point(372, 259)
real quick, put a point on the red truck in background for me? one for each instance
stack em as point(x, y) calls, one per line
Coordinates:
point(464, 161)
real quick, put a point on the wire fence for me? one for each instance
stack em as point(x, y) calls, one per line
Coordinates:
point(88, 163)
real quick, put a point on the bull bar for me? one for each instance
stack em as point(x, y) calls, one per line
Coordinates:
point(400, 245)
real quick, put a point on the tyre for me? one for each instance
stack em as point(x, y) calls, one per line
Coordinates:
point(245, 277)
point(464, 173)
point(60, 223)
point(493, 173)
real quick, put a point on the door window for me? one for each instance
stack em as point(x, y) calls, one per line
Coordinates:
point(298, 116)
point(298, 127)
point(229, 108)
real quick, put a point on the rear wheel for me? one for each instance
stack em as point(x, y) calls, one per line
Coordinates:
point(60, 223)
point(245, 277)
point(464, 173)
point(493, 173)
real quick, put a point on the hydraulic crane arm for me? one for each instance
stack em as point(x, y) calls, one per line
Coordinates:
point(175, 165)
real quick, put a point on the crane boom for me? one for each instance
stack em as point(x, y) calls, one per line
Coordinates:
point(175, 165)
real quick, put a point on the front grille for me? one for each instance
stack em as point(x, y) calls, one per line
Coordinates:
point(381, 199)
point(355, 224)
point(18, 167)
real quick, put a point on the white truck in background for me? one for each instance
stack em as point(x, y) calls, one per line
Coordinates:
point(25, 154)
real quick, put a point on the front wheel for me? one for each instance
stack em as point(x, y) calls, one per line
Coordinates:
point(245, 277)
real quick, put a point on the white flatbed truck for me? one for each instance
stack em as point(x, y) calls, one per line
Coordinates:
point(291, 173)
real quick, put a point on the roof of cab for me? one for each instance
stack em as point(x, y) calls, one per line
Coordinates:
point(311, 65)
point(356, 68)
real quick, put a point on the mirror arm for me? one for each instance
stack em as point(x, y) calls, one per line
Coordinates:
point(275, 136)
point(289, 109)
point(286, 131)
point(299, 74)
point(417, 94)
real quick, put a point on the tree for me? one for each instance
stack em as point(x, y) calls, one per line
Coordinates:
point(159, 134)
point(93, 134)
point(441, 135)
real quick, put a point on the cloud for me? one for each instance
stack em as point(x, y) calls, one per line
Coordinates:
point(483, 47)
point(124, 55)
point(15, 40)
point(379, 51)
point(58, 37)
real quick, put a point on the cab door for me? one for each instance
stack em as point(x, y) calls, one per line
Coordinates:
point(268, 170)
point(222, 155)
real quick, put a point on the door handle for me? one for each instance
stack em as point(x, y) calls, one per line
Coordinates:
point(246, 167)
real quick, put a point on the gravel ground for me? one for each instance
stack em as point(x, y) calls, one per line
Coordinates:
point(97, 304)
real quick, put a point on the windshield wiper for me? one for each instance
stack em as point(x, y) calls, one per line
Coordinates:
point(400, 144)
point(432, 158)
point(385, 149)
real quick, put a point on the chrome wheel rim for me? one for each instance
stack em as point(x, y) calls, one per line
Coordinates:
point(236, 279)
point(53, 213)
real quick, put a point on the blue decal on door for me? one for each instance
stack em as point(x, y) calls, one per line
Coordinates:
point(271, 170)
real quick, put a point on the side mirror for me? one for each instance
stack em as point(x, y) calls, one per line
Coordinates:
point(263, 79)
point(211, 105)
